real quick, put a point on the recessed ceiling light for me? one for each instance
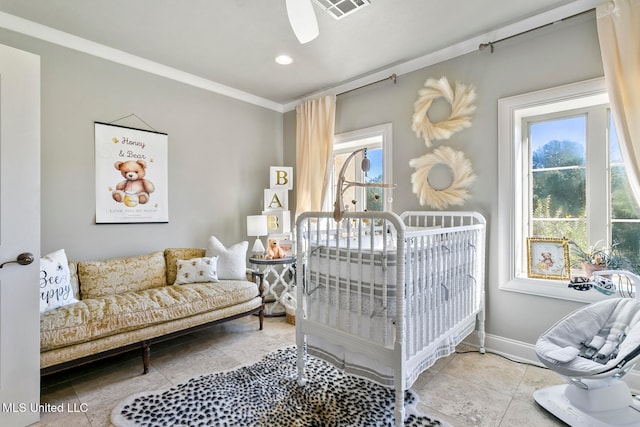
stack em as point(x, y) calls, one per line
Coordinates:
point(284, 59)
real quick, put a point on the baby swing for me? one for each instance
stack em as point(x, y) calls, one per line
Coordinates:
point(592, 349)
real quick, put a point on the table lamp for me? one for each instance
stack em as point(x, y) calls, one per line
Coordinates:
point(257, 226)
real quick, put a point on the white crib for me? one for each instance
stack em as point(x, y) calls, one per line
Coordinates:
point(350, 275)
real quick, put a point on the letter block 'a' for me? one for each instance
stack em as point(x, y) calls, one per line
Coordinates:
point(275, 199)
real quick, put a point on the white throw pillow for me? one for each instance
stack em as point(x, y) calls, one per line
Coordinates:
point(232, 261)
point(196, 270)
point(55, 281)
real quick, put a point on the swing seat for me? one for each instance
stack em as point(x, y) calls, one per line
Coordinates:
point(593, 348)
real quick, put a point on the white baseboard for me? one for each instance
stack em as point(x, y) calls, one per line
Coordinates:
point(525, 352)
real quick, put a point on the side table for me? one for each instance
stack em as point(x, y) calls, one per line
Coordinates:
point(279, 277)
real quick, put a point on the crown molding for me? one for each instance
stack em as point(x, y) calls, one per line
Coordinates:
point(61, 38)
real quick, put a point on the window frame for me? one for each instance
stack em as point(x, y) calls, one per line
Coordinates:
point(511, 111)
point(355, 139)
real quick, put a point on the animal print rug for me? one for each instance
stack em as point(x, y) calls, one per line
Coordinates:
point(267, 394)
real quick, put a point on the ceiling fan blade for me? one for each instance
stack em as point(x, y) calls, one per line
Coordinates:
point(302, 19)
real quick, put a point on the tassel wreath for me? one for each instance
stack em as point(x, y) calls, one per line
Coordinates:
point(461, 99)
point(456, 193)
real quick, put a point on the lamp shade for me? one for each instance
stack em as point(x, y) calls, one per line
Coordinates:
point(257, 225)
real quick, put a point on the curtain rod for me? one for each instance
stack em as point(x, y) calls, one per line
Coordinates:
point(483, 46)
point(392, 77)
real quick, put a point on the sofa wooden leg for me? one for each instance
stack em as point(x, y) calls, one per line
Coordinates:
point(146, 355)
point(259, 278)
point(261, 316)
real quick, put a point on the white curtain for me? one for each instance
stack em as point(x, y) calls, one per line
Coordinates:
point(619, 34)
point(315, 126)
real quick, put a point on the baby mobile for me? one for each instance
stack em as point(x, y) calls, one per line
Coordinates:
point(461, 99)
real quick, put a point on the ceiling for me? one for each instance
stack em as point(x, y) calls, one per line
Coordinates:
point(229, 46)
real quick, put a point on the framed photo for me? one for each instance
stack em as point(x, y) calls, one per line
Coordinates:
point(548, 258)
point(131, 175)
point(289, 247)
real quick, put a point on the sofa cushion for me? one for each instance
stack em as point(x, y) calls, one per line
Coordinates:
point(172, 255)
point(94, 318)
point(120, 275)
point(76, 351)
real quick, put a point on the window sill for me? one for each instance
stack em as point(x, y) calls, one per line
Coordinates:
point(553, 289)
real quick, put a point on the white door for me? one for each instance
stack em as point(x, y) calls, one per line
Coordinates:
point(19, 233)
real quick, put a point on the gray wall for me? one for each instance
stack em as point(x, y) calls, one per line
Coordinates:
point(219, 155)
point(556, 55)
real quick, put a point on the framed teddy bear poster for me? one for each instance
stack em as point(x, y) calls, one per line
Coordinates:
point(131, 175)
point(548, 258)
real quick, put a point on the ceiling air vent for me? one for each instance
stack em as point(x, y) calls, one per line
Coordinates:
point(341, 8)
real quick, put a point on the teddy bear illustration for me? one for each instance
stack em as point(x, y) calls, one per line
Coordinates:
point(274, 250)
point(134, 189)
point(546, 261)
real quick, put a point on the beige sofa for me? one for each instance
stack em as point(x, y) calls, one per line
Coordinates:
point(132, 302)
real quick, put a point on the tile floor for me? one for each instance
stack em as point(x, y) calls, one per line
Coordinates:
point(464, 389)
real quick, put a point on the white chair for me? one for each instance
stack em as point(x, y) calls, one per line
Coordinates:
point(593, 348)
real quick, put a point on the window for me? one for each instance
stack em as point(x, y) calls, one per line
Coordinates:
point(561, 175)
point(377, 141)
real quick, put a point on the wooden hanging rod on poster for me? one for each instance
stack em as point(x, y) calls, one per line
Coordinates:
point(483, 46)
point(393, 77)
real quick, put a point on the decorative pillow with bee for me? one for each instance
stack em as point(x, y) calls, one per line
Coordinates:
point(197, 270)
